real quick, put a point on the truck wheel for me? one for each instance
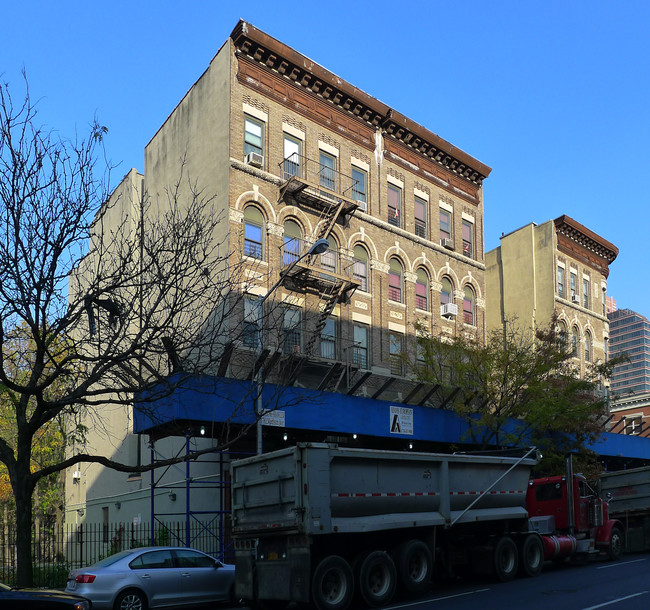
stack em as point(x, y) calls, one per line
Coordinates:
point(332, 584)
point(505, 558)
point(615, 548)
point(377, 578)
point(531, 555)
point(414, 565)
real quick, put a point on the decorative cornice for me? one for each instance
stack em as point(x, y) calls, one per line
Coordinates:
point(276, 57)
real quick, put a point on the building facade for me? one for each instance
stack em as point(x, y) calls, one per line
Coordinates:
point(557, 268)
point(293, 154)
point(630, 386)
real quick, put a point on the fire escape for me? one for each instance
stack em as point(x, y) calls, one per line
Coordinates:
point(329, 194)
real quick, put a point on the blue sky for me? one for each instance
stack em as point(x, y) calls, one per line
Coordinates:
point(554, 95)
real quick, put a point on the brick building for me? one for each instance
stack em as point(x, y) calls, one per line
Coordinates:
point(559, 267)
point(294, 154)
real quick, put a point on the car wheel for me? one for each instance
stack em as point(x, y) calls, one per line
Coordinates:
point(131, 600)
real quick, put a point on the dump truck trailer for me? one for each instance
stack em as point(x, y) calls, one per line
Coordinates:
point(628, 494)
point(316, 523)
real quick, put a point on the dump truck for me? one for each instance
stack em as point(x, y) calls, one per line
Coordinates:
point(628, 495)
point(317, 523)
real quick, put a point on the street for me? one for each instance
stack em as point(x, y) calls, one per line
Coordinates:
point(571, 586)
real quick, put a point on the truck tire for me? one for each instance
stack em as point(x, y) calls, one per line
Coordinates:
point(505, 559)
point(414, 564)
point(376, 578)
point(332, 584)
point(531, 555)
point(615, 547)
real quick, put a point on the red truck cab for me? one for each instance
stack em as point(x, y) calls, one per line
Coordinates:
point(572, 518)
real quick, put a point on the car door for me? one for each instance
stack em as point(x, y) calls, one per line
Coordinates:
point(158, 577)
point(200, 577)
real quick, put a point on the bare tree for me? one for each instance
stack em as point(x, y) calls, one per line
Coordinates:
point(101, 298)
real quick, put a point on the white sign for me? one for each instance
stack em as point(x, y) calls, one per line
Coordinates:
point(401, 420)
point(273, 418)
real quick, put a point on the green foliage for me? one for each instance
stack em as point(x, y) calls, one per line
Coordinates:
point(521, 386)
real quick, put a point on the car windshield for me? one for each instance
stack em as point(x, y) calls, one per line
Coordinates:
point(109, 561)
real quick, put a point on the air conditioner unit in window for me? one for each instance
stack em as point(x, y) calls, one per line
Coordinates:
point(575, 298)
point(447, 242)
point(76, 476)
point(449, 310)
point(254, 159)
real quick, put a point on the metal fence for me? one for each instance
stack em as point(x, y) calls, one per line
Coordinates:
point(56, 551)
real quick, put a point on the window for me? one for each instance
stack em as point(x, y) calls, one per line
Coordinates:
point(446, 291)
point(153, 560)
point(563, 333)
point(560, 282)
point(186, 558)
point(396, 342)
point(604, 302)
point(360, 347)
point(292, 242)
point(422, 290)
point(253, 136)
point(468, 238)
point(574, 342)
point(292, 331)
point(633, 425)
point(574, 287)
point(328, 340)
point(360, 188)
point(292, 157)
point(253, 238)
point(421, 217)
point(395, 281)
point(468, 306)
point(360, 267)
point(327, 171)
point(585, 293)
point(445, 224)
point(251, 322)
point(394, 205)
point(329, 258)
point(588, 346)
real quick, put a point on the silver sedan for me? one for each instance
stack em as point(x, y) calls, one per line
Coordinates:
point(154, 577)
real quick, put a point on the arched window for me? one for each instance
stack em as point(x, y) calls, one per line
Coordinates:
point(329, 258)
point(253, 233)
point(422, 290)
point(588, 347)
point(468, 306)
point(446, 292)
point(574, 342)
point(395, 275)
point(360, 267)
point(292, 241)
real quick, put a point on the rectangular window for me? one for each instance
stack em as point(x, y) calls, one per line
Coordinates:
point(252, 240)
point(560, 282)
point(633, 425)
point(328, 340)
point(253, 136)
point(360, 347)
point(585, 293)
point(468, 238)
point(292, 157)
point(421, 217)
point(394, 205)
point(421, 301)
point(604, 302)
point(396, 354)
point(251, 323)
point(327, 171)
point(360, 188)
point(445, 224)
point(574, 287)
point(292, 331)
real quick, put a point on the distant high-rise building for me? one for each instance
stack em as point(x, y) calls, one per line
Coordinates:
point(629, 333)
point(610, 304)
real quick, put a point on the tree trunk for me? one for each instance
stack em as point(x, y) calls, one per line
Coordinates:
point(23, 488)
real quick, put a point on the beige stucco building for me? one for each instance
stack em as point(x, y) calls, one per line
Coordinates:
point(291, 153)
point(557, 267)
